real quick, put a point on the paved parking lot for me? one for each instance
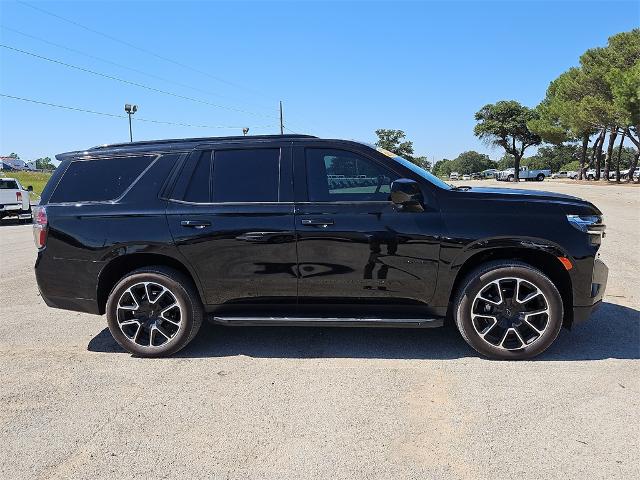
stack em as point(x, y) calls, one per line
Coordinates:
point(249, 402)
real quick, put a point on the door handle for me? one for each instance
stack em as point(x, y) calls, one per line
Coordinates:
point(195, 223)
point(317, 222)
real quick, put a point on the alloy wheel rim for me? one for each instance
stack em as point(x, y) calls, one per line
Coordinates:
point(510, 313)
point(149, 314)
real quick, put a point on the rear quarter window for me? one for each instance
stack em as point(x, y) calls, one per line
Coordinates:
point(8, 185)
point(98, 180)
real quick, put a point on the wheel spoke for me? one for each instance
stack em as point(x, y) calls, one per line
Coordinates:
point(158, 329)
point(515, 330)
point(530, 324)
point(493, 302)
point(535, 312)
point(133, 297)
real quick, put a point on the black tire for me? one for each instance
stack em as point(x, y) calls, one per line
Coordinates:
point(185, 297)
point(511, 178)
point(485, 276)
point(540, 177)
point(591, 177)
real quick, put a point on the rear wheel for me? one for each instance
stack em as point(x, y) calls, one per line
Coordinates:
point(154, 311)
point(508, 310)
point(540, 177)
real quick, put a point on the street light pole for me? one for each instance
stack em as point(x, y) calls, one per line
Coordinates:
point(130, 109)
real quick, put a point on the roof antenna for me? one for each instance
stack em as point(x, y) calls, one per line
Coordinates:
point(281, 124)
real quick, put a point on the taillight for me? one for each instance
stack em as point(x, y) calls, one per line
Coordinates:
point(18, 196)
point(40, 226)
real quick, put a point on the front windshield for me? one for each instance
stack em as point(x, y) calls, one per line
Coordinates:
point(416, 169)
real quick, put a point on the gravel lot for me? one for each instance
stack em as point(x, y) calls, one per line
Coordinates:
point(318, 402)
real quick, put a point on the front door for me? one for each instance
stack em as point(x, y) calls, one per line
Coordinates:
point(231, 216)
point(358, 255)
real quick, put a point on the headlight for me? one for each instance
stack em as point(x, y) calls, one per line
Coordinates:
point(587, 223)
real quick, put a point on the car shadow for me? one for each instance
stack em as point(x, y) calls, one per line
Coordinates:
point(613, 331)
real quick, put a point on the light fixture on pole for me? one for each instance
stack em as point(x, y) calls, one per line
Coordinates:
point(245, 130)
point(130, 109)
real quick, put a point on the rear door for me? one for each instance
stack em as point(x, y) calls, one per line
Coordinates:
point(231, 216)
point(358, 255)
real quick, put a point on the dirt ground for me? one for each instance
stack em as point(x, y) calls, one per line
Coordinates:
point(288, 403)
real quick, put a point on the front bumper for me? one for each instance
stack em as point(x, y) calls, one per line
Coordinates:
point(598, 287)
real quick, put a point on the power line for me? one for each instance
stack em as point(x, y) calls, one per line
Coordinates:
point(131, 45)
point(129, 82)
point(111, 62)
point(114, 115)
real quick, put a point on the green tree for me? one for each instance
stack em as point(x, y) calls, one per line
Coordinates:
point(394, 141)
point(443, 168)
point(507, 161)
point(472, 162)
point(44, 164)
point(14, 155)
point(504, 124)
point(572, 166)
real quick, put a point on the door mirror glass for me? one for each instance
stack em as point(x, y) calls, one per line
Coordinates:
point(407, 196)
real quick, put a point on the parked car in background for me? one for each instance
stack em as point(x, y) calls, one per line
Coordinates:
point(466, 176)
point(591, 174)
point(477, 176)
point(565, 174)
point(509, 175)
point(490, 173)
point(15, 201)
point(253, 231)
point(454, 176)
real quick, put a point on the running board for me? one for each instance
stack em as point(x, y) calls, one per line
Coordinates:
point(331, 322)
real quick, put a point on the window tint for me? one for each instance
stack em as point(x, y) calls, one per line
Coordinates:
point(99, 180)
point(198, 188)
point(247, 175)
point(8, 185)
point(338, 175)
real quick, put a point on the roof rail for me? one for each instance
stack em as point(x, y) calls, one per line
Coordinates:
point(200, 140)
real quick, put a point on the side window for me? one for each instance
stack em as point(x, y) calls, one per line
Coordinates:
point(199, 186)
point(99, 180)
point(246, 175)
point(339, 175)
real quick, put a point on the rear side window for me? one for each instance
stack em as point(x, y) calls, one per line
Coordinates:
point(8, 185)
point(247, 175)
point(99, 180)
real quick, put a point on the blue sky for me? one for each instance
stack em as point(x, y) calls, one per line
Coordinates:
point(342, 69)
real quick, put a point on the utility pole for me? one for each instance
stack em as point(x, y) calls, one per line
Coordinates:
point(281, 124)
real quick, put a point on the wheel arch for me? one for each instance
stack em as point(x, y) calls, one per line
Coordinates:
point(543, 260)
point(123, 264)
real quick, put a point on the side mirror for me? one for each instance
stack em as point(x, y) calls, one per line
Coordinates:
point(30, 188)
point(407, 196)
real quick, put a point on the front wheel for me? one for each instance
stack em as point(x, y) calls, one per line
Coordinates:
point(540, 177)
point(508, 310)
point(510, 178)
point(154, 311)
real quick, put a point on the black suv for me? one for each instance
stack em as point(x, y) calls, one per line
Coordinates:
point(297, 230)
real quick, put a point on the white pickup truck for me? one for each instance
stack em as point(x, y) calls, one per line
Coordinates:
point(509, 175)
point(15, 201)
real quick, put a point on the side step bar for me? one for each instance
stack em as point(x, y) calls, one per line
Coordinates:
point(331, 322)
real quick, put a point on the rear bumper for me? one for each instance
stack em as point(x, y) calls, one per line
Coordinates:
point(68, 284)
point(598, 287)
point(84, 305)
